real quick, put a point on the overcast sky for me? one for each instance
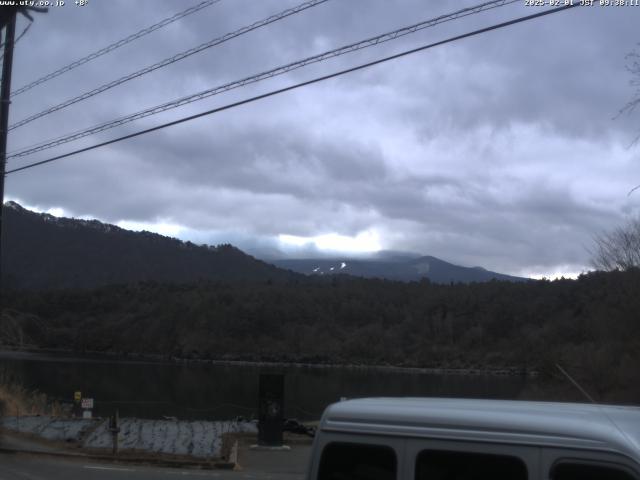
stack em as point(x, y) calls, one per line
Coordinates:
point(500, 150)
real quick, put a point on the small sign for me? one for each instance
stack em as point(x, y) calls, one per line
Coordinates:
point(87, 403)
point(86, 414)
point(77, 396)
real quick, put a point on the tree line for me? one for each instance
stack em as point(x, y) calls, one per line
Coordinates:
point(591, 326)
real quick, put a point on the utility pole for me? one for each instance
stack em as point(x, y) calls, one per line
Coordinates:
point(8, 22)
point(5, 100)
point(114, 428)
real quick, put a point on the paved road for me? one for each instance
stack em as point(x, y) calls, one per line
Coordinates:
point(35, 467)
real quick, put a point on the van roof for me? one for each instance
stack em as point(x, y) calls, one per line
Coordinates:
point(571, 425)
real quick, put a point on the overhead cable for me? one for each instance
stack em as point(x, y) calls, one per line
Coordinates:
point(376, 40)
point(113, 46)
point(297, 85)
point(170, 60)
point(24, 31)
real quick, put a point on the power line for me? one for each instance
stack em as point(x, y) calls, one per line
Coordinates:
point(113, 46)
point(170, 60)
point(298, 85)
point(24, 31)
point(370, 42)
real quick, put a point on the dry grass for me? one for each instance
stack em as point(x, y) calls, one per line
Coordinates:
point(16, 400)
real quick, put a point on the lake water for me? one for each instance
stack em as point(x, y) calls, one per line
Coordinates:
point(205, 391)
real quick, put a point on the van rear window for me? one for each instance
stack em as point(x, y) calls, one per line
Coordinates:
point(444, 465)
point(351, 461)
point(583, 471)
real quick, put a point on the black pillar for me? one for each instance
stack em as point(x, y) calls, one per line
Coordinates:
point(271, 409)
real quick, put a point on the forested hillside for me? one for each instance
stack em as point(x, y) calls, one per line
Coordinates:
point(591, 326)
point(43, 251)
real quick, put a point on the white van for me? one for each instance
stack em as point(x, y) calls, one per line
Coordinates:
point(463, 439)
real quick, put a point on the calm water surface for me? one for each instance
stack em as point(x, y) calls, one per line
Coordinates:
point(190, 391)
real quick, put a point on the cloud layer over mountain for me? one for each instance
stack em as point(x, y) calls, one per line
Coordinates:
point(500, 150)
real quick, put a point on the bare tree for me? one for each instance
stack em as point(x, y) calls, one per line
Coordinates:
point(633, 67)
point(618, 249)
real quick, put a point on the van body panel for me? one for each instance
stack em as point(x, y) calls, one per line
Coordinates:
point(564, 425)
point(539, 434)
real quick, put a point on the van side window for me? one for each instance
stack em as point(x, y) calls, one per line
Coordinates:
point(445, 465)
point(589, 471)
point(351, 461)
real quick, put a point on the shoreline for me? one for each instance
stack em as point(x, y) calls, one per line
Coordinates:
point(120, 357)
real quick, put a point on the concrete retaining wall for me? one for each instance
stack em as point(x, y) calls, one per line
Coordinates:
point(201, 439)
point(50, 428)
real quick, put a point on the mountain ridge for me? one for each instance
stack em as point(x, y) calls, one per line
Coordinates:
point(41, 251)
point(407, 269)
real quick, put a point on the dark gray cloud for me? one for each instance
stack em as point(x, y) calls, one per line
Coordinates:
point(500, 150)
